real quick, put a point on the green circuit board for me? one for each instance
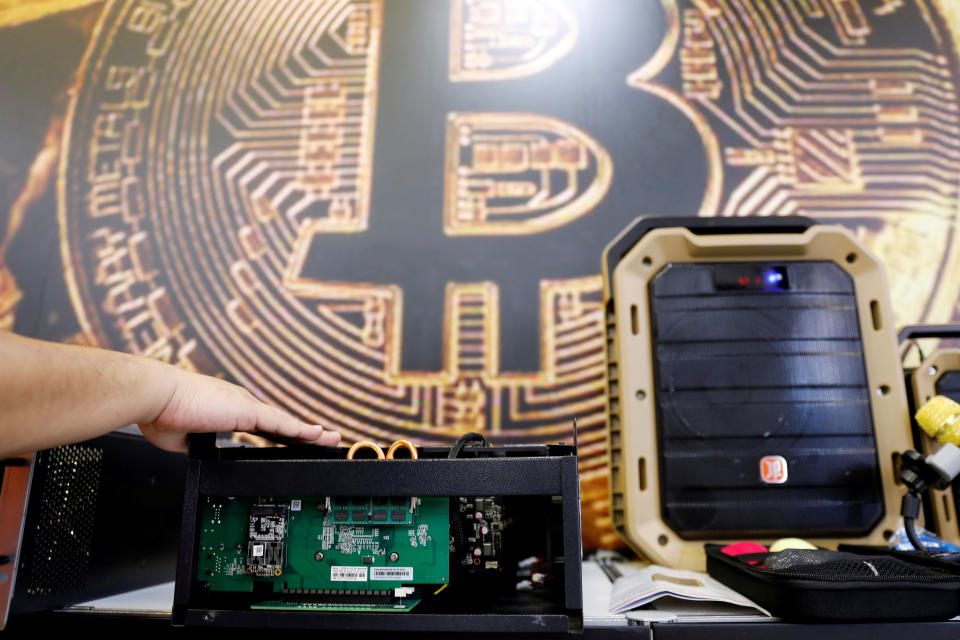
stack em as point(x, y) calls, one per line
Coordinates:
point(316, 546)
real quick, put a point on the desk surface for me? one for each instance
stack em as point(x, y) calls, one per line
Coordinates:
point(150, 609)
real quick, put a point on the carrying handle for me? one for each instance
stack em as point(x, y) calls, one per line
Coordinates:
point(916, 331)
point(701, 226)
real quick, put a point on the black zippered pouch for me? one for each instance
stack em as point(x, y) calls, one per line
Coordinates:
point(823, 585)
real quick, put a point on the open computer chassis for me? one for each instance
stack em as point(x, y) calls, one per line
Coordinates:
point(535, 487)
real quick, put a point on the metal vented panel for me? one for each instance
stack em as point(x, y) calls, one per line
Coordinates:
point(102, 517)
point(69, 482)
point(742, 374)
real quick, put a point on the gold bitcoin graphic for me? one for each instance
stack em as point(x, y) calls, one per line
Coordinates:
point(490, 159)
point(821, 117)
point(203, 180)
point(388, 217)
point(502, 39)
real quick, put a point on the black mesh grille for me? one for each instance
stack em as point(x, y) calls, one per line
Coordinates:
point(745, 374)
point(69, 481)
point(822, 564)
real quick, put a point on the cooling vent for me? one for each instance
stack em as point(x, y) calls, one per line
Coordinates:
point(69, 478)
point(745, 374)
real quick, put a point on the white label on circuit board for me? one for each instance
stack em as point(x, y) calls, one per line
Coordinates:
point(348, 574)
point(391, 573)
point(258, 551)
point(295, 505)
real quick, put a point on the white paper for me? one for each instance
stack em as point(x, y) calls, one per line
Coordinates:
point(641, 587)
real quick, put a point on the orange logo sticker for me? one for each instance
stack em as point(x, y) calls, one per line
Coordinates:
point(773, 469)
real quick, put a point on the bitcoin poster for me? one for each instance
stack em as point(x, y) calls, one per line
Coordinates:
point(386, 216)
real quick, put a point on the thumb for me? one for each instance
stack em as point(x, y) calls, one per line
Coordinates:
point(166, 440)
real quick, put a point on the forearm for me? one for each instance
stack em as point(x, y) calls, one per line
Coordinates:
point(51, 394)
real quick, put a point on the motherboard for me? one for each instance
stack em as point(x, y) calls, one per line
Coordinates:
point(326, 553)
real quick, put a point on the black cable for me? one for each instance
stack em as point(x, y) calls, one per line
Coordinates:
point(916, 343)
point(459, 540)
point(908, 524)
point(904, 352)
point(463, 441)
point(910, 509)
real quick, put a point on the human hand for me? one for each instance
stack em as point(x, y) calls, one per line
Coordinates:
point(202, 404)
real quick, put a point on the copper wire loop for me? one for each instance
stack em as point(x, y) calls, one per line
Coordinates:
point(365, 444)
point(402, 444)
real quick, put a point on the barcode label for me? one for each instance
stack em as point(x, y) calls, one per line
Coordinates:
point(348, 574)
point(391, 573)
point(295, 505)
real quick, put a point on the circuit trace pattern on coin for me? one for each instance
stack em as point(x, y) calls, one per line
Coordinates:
point(210, 146)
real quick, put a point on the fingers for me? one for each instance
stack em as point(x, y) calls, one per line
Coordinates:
point(327, 439)
point(203, 404)
point(278, 423)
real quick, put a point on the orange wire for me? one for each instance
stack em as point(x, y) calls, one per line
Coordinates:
point(365, 444)
point(402, 443)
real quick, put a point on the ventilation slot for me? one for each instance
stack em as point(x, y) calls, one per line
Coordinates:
point(875, 315)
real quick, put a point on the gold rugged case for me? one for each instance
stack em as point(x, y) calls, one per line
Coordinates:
point(924, 382)
point(634, 473)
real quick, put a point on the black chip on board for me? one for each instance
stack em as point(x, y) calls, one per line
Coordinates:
point(380, 516)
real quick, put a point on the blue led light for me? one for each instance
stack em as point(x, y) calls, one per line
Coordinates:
point(774, 277)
